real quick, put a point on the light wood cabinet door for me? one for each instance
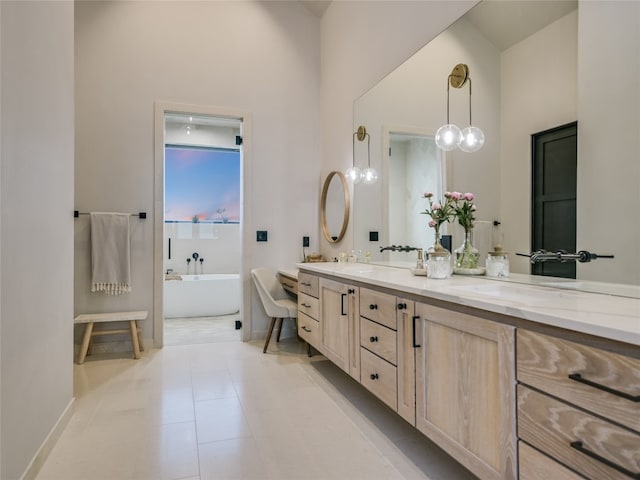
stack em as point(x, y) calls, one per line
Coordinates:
point(340, 332)
point(465, 390)
point(406, 356)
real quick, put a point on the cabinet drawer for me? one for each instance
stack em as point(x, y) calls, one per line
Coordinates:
point(379, 339)
point(308, 284)
point(379, 307)
point(547, 363)
point(309, 305)
point(536, 466)
point(587, 444)
point(379, 377)
point(289, 284)
point(309, 329)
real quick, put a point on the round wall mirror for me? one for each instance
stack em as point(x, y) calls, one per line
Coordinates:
point(334, 207)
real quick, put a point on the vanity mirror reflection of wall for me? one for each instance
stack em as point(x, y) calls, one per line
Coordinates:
point(561, 69)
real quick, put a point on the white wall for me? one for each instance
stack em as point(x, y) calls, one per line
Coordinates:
point(260, 57)
point(36, 226)
point(609, 151)
point(539, 91)
point(360, 45)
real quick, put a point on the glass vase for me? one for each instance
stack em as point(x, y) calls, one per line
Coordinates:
point(437, 246)
point(466, 254)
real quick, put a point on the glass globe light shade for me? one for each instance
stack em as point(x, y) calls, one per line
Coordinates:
point(448, 137)
point(472, 139)
point(353, 174)
point(369, 176)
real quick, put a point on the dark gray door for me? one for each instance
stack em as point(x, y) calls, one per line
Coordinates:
point(554, 164)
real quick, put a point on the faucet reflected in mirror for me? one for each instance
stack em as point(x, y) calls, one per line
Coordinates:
point(583, 256)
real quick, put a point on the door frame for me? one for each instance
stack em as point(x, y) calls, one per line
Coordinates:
point(160, 109)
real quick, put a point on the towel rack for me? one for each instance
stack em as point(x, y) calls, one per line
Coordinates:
point(142, 215)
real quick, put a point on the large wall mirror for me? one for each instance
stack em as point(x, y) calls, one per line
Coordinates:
point(334, 207)
point(535, 66)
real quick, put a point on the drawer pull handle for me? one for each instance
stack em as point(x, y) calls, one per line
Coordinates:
point(402, 306)
point(306, 284)
point(351, 291)
point(413, 320)
point(342, 297)
point(373, 339)
point(578, 378)
point(373, 376)
point(373, 306)
point(580, 447)
point(304, 327)
point(288, 285)
point(305, 305)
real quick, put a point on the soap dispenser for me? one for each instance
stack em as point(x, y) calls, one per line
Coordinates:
point(420, 260)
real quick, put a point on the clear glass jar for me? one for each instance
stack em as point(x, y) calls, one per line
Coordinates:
point(439, 264)
point(497, 263)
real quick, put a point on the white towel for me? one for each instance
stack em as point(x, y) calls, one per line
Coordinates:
point(110, 253)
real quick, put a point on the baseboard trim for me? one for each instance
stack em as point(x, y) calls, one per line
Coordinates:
point(47, 445)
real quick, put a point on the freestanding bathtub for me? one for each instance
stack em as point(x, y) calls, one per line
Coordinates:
point(208, 295)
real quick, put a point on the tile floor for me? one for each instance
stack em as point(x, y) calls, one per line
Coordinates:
point(227, 411)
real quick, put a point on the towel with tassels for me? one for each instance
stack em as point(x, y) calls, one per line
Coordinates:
point(110, 253)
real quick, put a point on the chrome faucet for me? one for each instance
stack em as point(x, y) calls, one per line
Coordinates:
point(582, 256)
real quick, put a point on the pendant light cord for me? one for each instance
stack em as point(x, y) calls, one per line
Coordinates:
point(448, 83)
point(470, 101)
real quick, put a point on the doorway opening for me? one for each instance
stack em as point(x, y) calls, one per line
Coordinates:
point(199, 291)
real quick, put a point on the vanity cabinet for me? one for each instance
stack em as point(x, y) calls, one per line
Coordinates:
point(465, 389)
point(340, 328)
point(580, 405)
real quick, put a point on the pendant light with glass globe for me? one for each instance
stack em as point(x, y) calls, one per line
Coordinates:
point(449, 136)
point(354, 174)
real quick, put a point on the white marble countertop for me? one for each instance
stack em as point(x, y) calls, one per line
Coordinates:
point(607, 316)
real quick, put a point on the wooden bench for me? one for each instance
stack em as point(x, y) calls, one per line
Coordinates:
point(92, 318)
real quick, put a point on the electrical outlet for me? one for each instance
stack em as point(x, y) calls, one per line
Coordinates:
point(261, 236)
point(305, 241)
